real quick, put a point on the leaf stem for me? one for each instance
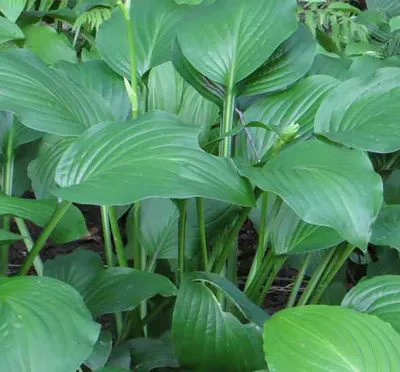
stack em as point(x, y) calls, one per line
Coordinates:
point(299, 281)
point(108, 248)
point(119, 246)
point(202, 231)
point(182, 238)
point(277, 262)
point(227, 124)
point(58, 214)
point(137, 249)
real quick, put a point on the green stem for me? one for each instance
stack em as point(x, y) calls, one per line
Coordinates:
point(330, 274)
point(277, 265)
point(227, 124)
point(217, 249)
point(182, 238)
point(135, 239)
point(58, 214)
point(316, 277)
point(29, 243)
point(119, 245)
point(254, 288)
point(202, 231)
point(108, 249)
point(299, 281)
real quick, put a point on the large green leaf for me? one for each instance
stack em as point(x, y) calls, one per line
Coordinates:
point(101, 351)
point(50, 46)
point(291, 235)
point(363, 112)
point(379, 296)
point(289, 63)
point(157, 156)
point(42, 170)
point(9, 31)
point(296, 105)
point(391, 188)
point(206, 338)
point(325, 185)
point(386, 262)
point(43, 99)
point(391, 7)
point(44, 326)
point(335, 67)
point(71, 227)
point(168, 91)
point(330, 338)
point(153, 24)
point(386, 229)
point(228, 40)
point(8, 237)
point(12, 8)
point(123, 289)
point(96, 75)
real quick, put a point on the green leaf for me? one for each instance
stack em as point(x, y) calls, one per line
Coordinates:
point(367, 65)
point(42, 170)
point(12, 8)
point(154, 25)
point(291, 235)
point(289, 63)
point(318, 338)
point(157, 155)
point(392, 8)
point(296, 105)
point(71, 227)
point(78, 269)
point(392, 188)
point(96, 75)
point(229, 40)
point(379, 296)
point(45, 326)
point(334, 294)
point(9, 31)
point(43, 99)
point(363, 112)
point(50, 46)
point(395, 23)
point(311, 174)
point(8, 237)
point(206, 338)
point(250, 310)
point(101, 352)
point(112, 369)
point(123, 289)
point(335, 67)
point(387, 262)
point(167, 91)
point(386, 229)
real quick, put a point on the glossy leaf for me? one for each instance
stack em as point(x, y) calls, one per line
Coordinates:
point(363, 112)
point(367, 65)
point(291, 235)
point(50, 46)
point(154, 25)
point(78, 269)
point(335, 67)
point(379, 296)
point(71, 227)
point(317, 338)
point(43, 99)
point(9, 31)
point(12, 8)
point(296, 105)
point(206, 338)
point(167, 91)
point(8, 237)
point(386, 230)
point(45, 326)
point(230, 39)
point(289, 63)
point(157, 156)
point(96, 75)
point(311, 174)
point(101, 352)
point(123, 289)
point(42, 170)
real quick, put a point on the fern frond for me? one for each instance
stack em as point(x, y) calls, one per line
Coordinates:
point(93, 18)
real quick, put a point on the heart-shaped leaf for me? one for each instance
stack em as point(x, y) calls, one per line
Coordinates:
point(71, 227)
point(157, 156)
point(385, 230)
point(44, 326)
point(330, 338)
point(43, 99)
point(311, 174)
point(289, 63)
point(230, 39)
point(296, 105)
point(153, 24)
point(378, 296)
point(12, 8)
point(9, 31)
point(363, 112)
point(206, 338)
